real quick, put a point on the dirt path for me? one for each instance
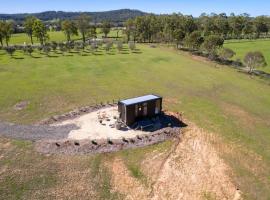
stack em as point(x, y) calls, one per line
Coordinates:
point(192, 169)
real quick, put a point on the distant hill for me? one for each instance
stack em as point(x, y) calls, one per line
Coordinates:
point(113, 16)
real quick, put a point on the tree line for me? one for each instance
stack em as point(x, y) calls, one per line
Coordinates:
point(35, 27)
point(204, 35)
point(176, 27)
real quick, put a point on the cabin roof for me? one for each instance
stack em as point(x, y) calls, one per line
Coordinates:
point(140, 99)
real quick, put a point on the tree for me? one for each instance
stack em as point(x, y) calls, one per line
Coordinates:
point(221, 25)
point(106, 28)
point(261, 25)
point(69, 28)
point(254, 60)
point(212, 43)
point(194, 40)
point(83, 24)
point(237, 25)
point(93, 32)
point(7, 28)
point(40, 31)
point(28, 25)
point(1, 32)
point(226, 53)
point(10, 50)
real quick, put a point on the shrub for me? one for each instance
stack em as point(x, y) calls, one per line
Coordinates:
point(211, 44)
point(119, 45)
point(29, 49)
point(226, 54)
point(47, 49)
point(254, 59)
point(94, 46)
point(131, 45)
point(10, 50)
point(194, 40)
point(62, 47)
point(108, 45)
point(54, 45)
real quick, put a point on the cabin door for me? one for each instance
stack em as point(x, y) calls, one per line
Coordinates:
point(141, 110)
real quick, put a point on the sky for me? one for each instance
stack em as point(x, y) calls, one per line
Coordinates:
point(193, 7)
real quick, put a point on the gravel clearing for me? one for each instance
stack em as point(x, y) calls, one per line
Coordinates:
point(91, 128)
point(35, 133)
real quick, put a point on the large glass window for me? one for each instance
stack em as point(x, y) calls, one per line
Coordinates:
point(145, 109)
point(157, 109)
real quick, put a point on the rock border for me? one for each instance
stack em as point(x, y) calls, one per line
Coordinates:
point(74, 113)
point(82, 147)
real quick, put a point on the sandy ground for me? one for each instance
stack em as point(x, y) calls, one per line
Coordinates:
point(91, 128)
point(192, 169)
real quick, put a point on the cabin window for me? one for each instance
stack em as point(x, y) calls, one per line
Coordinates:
point(145, 109)
point(157, 109)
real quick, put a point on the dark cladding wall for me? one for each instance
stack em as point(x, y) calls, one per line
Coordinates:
point(131, 113)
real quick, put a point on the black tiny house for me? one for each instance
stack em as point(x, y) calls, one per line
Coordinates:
point(132, 110)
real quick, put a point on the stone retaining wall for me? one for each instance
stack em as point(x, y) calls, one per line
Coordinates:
point(71, 147)
point(75, 113)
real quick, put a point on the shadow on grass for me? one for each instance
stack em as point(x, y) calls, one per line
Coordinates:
point(36, 57)
point(59, 53)
point(137, 52)
point(18, 58)
point(53, 56)
point(111, 53)
point(98, 54)
point(124, 52)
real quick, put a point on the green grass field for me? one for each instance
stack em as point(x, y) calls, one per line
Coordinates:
point(57, 36)
point(242, 47)
point(219, 99)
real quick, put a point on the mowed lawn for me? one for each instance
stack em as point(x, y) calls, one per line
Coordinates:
point(242, 47)
point(57, 36)
point(219, 99)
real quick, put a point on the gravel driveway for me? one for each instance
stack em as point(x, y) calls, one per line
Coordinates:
point(34, 133)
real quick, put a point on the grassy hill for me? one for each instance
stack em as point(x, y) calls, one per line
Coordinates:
point(241, 47)
point(219, 99)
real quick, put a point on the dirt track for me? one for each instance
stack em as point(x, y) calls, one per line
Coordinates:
point(192, 169)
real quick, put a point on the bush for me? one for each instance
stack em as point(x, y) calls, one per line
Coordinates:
point(28, 49)
point(54, 45)
point(47, 49)
point(108, 45)
point(119, 45)
point(131, 45)
point(10, 50)
point(194, 40)
point(254, 59)
point(226, 54)
point(212, 43)
point(94, 46)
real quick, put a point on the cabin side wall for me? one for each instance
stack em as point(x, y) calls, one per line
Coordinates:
point(128, 112)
